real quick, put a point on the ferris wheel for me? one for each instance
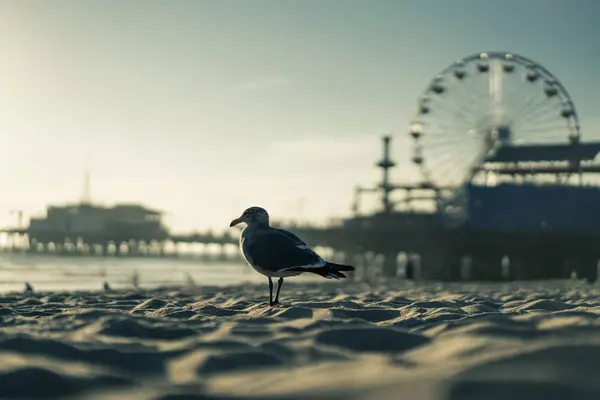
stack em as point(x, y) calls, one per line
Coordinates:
point(483, 102)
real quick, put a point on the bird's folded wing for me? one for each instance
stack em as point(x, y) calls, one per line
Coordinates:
point(299, 242)
point(275, 251)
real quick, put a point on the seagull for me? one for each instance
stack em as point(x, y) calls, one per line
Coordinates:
point(275, 252)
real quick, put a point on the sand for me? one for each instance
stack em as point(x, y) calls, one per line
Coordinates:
point(326, 341)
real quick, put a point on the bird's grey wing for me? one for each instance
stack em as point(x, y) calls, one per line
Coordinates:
point(299, 242)
point(275, 251)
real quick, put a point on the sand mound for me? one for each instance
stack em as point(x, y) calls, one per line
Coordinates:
point(326, 341)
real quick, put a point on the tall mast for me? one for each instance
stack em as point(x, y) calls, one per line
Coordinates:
point(86, 197)
point(386, 164)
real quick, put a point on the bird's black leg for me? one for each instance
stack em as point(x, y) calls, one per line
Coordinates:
point(279, 284)
point(270, 292)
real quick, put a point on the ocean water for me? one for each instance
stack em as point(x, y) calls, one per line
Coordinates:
point(54, 273)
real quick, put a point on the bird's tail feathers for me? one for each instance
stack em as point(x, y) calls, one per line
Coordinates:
point(339, 267)
point(329, 270)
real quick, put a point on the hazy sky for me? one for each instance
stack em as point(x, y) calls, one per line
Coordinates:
point(202, 108)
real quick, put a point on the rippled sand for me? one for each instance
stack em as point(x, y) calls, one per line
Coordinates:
point(327, 341)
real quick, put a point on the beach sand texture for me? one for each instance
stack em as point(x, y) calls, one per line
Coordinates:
point(346, 340)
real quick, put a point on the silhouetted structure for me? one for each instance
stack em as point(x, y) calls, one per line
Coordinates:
point(121, 230)
point(494, 196)
point(96, 224)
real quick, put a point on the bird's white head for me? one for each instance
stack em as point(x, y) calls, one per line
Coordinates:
point(253, 216)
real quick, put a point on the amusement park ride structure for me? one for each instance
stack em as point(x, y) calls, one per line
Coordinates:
point(498, 143)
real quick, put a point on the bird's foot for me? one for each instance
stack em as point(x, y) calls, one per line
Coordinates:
point(274, 303)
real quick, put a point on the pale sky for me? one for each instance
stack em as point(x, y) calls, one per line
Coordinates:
point(202, 108)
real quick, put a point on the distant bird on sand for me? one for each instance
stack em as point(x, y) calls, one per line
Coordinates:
point(28, 288)
point(278, 253)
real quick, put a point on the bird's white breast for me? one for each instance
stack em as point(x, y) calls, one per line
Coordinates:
point(243, 238)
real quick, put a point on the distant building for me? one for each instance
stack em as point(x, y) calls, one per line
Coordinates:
point(98, 224)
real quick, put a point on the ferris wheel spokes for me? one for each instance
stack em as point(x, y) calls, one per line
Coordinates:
point(482, 103)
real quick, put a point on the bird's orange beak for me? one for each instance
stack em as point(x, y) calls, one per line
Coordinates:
point(235, 222)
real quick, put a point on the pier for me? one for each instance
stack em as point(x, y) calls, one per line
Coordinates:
point(439, 243)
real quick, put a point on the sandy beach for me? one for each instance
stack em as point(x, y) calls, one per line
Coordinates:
point(343, 340)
